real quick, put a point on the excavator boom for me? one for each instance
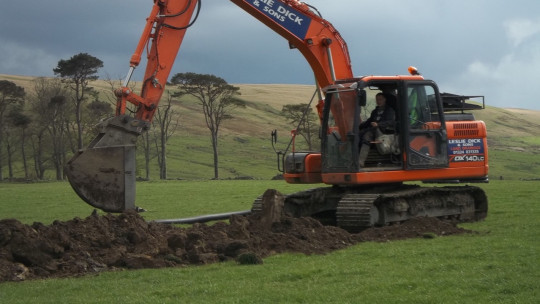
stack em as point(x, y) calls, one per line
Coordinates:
point(103, 175)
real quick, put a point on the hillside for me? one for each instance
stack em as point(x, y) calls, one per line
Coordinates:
point(246, 150)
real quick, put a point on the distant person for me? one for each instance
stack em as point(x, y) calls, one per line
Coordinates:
point(382, 118)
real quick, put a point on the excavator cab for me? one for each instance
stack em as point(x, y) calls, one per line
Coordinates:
point(419, 147)
point(417, 140)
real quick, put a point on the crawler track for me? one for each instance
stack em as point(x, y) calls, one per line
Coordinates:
point(359, 211)
point(356, 212)
point(358, 208)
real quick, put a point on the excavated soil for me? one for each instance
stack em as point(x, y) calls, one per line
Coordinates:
point(126, 241)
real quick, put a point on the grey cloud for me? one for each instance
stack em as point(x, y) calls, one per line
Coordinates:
point(451, 42)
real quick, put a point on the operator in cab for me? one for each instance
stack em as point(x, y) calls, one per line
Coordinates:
point(382, 118)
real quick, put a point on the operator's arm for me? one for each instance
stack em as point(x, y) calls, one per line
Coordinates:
point(367, 123)
point(388, 120)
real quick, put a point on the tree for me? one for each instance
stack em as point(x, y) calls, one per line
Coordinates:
point(18, 119)
point(10, 94)
point(77, 72)
point(10, 143)
point(305, 121)
point(217, 98)
point(96, 111)
point(164, 121)
point(57, 131)
point(146, 148)
point(51, 116)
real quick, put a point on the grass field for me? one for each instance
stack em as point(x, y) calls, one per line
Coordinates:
point(498, 264)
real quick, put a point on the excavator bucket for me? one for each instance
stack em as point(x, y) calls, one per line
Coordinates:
point(103, 175)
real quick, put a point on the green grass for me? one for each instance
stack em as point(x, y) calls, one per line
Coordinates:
point(513, 165)
point(46, 202)
point(191, 157)
point(499, 264)
point(41, 202)
point(173, 199)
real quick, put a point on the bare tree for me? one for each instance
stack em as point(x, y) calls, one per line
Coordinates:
point(9, 141)
point(163, 120)
point(50, 131)
point(77, 72)
point(217, 98)
point(37, 142)
point(304, 120)
point(18, 121)
point(10, 94)
point(145, 142)
point(95, 111)
point(23, 121)
point(57, 130)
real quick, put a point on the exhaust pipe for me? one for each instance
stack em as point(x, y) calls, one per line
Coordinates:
point(103, 175)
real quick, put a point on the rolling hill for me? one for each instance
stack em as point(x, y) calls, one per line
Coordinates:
point(246, 150)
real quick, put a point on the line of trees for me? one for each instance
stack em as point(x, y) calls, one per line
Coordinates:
point(42, 127)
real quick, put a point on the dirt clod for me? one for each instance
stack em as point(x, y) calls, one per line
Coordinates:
point(126, 241)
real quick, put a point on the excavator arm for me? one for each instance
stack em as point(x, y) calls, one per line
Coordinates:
point(318, 41)
point(103, 175)
point(164, 32)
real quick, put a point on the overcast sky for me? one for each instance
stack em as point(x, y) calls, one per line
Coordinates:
point(470, 47)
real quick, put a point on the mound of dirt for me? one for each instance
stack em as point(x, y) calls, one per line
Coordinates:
point(127, 241)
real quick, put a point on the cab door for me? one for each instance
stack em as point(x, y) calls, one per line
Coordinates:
point(426, 137)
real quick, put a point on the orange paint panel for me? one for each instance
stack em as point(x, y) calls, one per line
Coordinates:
point(303, 178)
point(473, 129)
point(467, 144)
point(423, 142)
point(397, 77)
point(312, 163)
point(401, 175)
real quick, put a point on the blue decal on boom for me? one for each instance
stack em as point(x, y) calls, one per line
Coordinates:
point(294, 21)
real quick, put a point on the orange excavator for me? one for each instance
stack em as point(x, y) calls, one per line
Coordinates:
point(434, 137)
